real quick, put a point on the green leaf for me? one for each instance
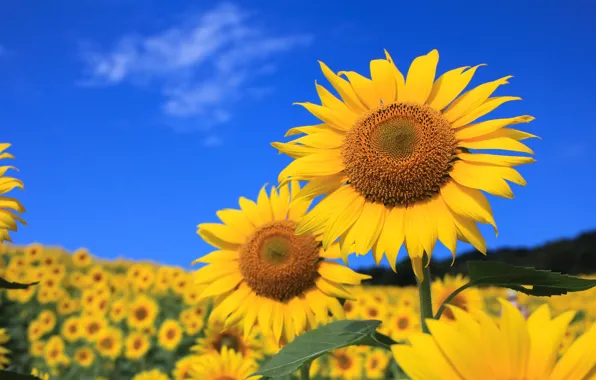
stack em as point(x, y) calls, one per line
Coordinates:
point(7, 375)
point(312, 344)
point(527, 280)
point(14, 285)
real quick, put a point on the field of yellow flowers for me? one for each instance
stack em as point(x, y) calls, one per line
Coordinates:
point(95, 319)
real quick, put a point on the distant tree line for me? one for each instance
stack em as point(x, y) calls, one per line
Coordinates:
point(568, 256)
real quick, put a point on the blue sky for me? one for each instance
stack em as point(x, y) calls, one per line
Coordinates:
point(134, 121)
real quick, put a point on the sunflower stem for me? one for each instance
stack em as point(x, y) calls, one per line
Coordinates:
point(305, 372)
point(426, 305)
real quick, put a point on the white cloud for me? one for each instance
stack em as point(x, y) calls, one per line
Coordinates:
point(201, 67)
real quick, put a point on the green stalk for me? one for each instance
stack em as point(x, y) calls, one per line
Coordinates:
point(305, 372)
point(426, 305)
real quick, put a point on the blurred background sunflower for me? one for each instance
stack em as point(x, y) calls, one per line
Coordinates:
point(396, 159)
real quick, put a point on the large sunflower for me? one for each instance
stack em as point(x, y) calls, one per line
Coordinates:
point(9, 207)
point(475, 347)
point(262, 272)
point(395, 159)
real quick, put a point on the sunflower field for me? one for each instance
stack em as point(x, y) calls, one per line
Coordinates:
point(96, 319)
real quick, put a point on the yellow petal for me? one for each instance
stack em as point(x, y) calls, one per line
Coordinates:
point(511, 133)
point(486, 107)
point(344, 89)
point(472, 99)
point(295, 150)
point(318, 217)
point(494, 159)
point(220, 232)
point(420, 228)
point(486, 178)
point(237, 221)
point(446, 229)
point(342, 121)
point(264, 206)
point(341, 220)
point(470, 231)
point(381, 73)
point(278, 320)
point(457, 348)
point(230, 303)
point(265, 313)
point(333, 252)
point(330, 101)
point(336, 309)
point(315, 165)
point(498, 143)
point(364, 88)
point(400, 81)
point(288, 328)
point(513, 327)
point(298, 314)
point(218, 256)
point(211, 272)
point(318, 303)
point(341, 274)
point(322, 140)
point(321, 185)
point(365, 231)
point(279, 205)
point(579, 359)
point(486, 127)
point(391, 237)
point(468, 202)
point(332, 289)
point(449, 86)
point(250, 210)
point(420, 78)
point(307, 129)
point(222, 285)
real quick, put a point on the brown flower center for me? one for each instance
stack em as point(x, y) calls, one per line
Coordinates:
point(403, 323)
point(277, 264)
point(344, 361)
point(141, 313)
point(399, 154)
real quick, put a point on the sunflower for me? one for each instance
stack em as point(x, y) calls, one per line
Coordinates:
point(468, 300)
point(84, 357)
point(375, 364)
point(154, 374)
point(118, 310)
point(217, 337)
point(36, 348)
point(403, 323)
point(92, 325)
point(33, 252)
point(109, 342)
point(473, 346)
point(142, 312)
point(191, 322)
point(227, 364)
point(264, 272)
point(346, 363)
point(35, 331)
point(47, 318)
point(54, 352)
point(170, 334)
point(137, 344)
point(72, 329)
point(81, 258)
point(4, 338)
point(10, 208)
point(394, 159)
